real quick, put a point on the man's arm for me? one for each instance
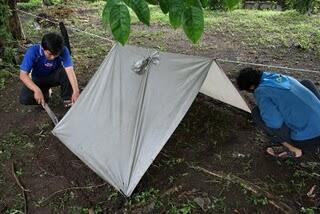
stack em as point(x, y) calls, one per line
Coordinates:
point(269, 111)
point(74, 83)
point(25, 78)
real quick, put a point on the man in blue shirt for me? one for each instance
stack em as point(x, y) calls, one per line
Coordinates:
point(50, 65)
point(287, 110)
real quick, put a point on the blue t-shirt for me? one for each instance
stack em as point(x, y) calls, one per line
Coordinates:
point(35, 60)
point(283, 99)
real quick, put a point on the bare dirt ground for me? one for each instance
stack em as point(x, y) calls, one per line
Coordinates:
point(213, 163)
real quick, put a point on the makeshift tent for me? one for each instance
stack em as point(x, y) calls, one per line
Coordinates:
point(132, 105)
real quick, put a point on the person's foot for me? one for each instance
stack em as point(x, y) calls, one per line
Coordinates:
point(283, 152)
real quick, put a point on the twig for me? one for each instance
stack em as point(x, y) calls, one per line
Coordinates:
point(21, 187)
point(248, 186)
point(72, 188)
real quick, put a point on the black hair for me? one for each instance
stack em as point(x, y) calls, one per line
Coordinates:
point(52, 42)
point(248, 77)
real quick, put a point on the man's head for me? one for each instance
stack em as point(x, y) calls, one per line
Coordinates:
point(249, 79)
point(52, 43)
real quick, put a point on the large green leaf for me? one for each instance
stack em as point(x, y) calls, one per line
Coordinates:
point(195, 3)
point(128, 2)
point(106, 11)
point(193, 23)
point(232, 4)
point(164, 5)
point(204, 3)
point(176, 8)
point(120, 22)
point(141, 8)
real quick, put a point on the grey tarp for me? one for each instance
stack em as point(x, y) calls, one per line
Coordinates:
point(122, 119)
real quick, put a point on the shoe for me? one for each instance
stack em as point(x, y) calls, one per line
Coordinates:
point(67, 103)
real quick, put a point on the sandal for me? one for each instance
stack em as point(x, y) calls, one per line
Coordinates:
point(280, 152)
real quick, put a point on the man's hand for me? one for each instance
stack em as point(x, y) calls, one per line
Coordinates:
point(74, 83)
point(74, 96)
point(38, 96)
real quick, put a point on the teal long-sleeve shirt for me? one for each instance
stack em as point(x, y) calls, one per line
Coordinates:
point(283, 99)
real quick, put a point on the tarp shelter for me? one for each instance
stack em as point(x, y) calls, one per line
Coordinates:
point(131, 107)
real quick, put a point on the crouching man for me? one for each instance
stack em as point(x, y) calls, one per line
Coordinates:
point(287, 110)
point(50, 65)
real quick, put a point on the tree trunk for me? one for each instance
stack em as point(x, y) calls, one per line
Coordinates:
point(2, 47)
point(310, 7)
point(14, 21)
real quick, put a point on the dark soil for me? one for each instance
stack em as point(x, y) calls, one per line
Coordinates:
point(212, 135)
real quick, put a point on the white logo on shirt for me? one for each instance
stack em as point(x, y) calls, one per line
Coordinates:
point(48, 64)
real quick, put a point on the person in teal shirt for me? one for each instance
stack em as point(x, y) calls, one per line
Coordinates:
point(287, 110)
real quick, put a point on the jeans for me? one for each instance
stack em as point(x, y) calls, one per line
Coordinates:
point(58, 78)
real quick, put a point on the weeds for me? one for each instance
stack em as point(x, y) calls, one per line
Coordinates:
point(144, 197)
point(4, 75)
point(182, 209)
point(218, 205)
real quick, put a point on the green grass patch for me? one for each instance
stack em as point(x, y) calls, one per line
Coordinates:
point(4, 75)
point(265, 28)
point(11, 144)
point(31, 5)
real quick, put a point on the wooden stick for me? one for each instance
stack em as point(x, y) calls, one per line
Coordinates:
point(21, 187)
point(248, 186)
point(72, 188)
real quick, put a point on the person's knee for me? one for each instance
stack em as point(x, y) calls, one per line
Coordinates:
point(24, 101)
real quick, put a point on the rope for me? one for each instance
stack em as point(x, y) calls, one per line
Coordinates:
point(221, 60)
point(268, 66)
point(72, 28)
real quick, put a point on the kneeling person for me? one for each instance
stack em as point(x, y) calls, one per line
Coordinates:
point(287, 110)
point(50, 65)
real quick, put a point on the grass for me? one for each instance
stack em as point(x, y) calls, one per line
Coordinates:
point(271, 27)
point(3, 77)
point(32, 4)
point(254, 28)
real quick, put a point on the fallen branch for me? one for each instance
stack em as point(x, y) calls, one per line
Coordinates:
point(72, 188)
point(248, 186)
point(21, 187)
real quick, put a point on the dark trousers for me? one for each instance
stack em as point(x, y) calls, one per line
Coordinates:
point(283, 134)
point(58, 78)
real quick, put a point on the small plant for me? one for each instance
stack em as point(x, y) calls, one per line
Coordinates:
point(308, 210)
point(183, 209)
point(145, 196)
point(258, 200)
point(113, 196)
point(218, 205)
point(19, 172)
point(173, 161)
point(40, 202)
